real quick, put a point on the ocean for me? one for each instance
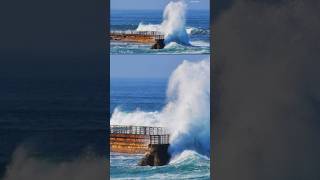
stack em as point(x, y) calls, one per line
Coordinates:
point(54, 120)
point(149, 96)
point(195, 24)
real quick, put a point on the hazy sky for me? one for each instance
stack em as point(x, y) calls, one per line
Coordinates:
point(155, 4)
point(147, 66)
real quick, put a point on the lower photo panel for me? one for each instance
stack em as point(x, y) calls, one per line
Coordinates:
point(160, 117)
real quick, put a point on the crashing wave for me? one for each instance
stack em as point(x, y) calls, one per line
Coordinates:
point(187, 112)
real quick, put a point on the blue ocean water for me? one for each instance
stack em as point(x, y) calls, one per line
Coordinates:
point(150, 95)
point(144, 94)
point(54, 119)
point(197, 27)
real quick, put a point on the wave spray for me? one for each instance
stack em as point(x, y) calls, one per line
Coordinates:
point(187, 112)
point(173, 24)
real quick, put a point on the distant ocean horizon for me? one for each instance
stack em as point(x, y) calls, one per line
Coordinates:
point(146, 94)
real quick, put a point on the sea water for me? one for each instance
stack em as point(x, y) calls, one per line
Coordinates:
point(180, 103)
point(150, 95)
point(55, 120)
point(188, 29)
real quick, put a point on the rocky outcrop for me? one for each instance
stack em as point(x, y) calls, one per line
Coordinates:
point(157, 155)
point(159, 44)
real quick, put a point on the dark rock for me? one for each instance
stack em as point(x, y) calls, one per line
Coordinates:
point(158, 45)
point(157, 155)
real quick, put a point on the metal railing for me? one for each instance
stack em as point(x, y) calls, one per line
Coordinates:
point(159, 139)
point(156, 34)
point(155, 135)
point(143, 130)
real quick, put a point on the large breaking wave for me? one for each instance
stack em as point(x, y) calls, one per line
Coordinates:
point(187, 112)
point(173, 24)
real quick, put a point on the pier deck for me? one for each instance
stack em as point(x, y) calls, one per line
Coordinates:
point(136, 139)
point(154, 38)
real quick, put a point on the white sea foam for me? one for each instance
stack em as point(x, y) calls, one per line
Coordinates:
point(149, 27)
point(172, 45)
point(187, 165)
point(157, 27)
point(187, 112)
point(188, 155)
point(200, 43)
point(173, 24)
point(194, 30)
point(192, 48)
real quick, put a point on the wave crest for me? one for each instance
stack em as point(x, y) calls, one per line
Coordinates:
point(188, 156)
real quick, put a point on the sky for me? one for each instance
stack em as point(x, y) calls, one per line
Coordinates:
point(147, 66)
point(155, 4)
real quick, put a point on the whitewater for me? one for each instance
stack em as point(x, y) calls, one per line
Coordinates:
point(173, 24)
point(189, 165)
point(186, 31)
point(186, 115)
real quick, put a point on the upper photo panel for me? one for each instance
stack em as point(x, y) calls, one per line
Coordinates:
point(160, 27)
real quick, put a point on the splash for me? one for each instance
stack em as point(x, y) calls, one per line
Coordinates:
point(173, 24)
point(187, 112)
point(189, 156)
point(186, 165)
